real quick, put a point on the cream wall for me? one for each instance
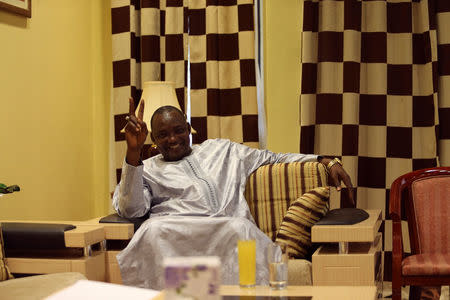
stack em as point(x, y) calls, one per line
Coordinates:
point(55, 79)
point(282, 73)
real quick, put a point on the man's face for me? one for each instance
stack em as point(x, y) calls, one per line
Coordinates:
point(171, 134)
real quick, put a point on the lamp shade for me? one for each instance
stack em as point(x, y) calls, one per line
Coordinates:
point(155, 95)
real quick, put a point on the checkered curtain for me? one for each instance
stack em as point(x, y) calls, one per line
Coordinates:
point(152, 40)
point(375, 91)
point(223, 82)
point(149, 40)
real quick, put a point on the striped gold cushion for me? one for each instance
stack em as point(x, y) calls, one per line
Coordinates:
point(295, 229)
point(4, 272)
point(272, 188)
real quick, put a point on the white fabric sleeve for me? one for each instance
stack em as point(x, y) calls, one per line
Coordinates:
point(254, 158)
point(132, 198)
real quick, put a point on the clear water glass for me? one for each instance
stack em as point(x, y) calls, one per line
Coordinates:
point(277, 258)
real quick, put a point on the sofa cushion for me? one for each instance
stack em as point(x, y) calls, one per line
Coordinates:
point(299, 272)
point(303, 213)
point(4, 272)
point(428, 264)
point(272, 188)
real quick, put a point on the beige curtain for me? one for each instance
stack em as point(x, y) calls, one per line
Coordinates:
point(375, 91)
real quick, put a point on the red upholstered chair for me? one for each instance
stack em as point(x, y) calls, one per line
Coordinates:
point(422, 198)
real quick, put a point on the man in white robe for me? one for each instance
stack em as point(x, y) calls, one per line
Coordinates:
point(194, 197)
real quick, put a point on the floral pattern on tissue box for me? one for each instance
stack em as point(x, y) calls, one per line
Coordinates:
point(192, 278)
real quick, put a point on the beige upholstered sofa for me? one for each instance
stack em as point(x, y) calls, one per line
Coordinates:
point(270, 191)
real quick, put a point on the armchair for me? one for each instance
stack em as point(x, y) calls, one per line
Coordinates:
point(423, 199)
point(269, 192)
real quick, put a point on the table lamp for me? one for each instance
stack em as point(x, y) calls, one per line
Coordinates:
point(157, 94)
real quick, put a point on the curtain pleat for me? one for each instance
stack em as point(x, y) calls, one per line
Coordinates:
point(374, 91)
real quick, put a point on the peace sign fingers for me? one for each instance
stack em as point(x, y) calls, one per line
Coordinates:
point(133, 122)
point(131, 107)
point(141, 110)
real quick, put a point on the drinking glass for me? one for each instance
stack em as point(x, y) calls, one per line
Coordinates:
point(277, 258)
point(247, 262)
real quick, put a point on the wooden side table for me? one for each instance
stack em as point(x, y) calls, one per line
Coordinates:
point(350, 255)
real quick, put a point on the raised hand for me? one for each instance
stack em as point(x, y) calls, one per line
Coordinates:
point(135, 133)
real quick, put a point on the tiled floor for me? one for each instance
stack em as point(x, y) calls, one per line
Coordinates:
point(387, 292)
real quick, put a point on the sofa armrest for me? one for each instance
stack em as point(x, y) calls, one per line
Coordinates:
point(35, 236)
point(118, 232)
point(51, 235)
point(77, 248)
point(117, 227)
point(115, 218)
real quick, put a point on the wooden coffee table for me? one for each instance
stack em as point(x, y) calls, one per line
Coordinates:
point(316, 292)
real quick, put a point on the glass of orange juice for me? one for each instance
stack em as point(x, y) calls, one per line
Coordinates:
point(247, 262)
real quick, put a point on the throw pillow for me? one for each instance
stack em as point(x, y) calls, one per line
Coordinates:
point(303, 213)
point(4, 272)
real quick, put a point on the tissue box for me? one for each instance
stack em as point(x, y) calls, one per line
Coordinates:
point(192, 277)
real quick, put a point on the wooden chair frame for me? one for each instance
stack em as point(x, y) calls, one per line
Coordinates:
point(401, 204)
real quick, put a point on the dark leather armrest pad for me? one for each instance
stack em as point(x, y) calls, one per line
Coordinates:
point(19, 236)
point(115, 218)
point(343, 216)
